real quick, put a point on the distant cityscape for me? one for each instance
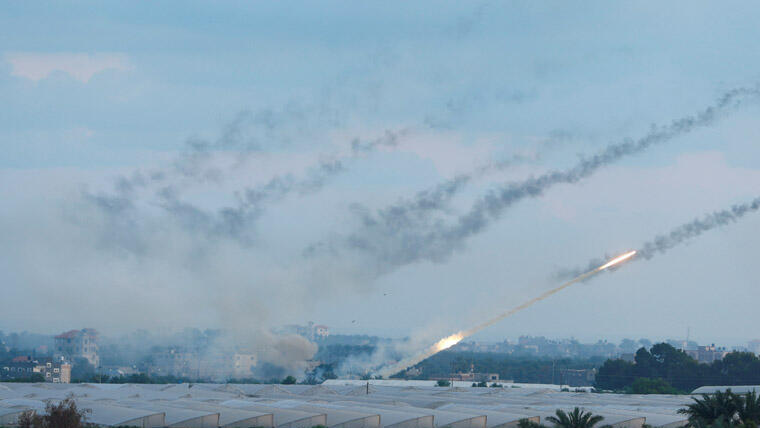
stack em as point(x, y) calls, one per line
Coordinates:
point(85, 355)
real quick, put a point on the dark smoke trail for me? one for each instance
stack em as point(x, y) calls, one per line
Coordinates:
point(397, 237)
point(693, 229)
point(233, 221)
point(495, 202)
point(663, 243)
point(251, 202)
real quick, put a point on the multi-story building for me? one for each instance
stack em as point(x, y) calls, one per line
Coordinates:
point(26, 368)
point(54, 371)
point(707, 354)
point(582, 377)
point(78, 344)
point(172, 361)
point(243, 364)
point(320, 331)
point(17, 369)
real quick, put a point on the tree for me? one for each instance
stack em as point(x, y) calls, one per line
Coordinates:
point(720, 407)
point(614, 375)
point(644, 385)
point(82, 370)
point(575, 419)
point(65, 414)
point(748, 408)
point(290, 380)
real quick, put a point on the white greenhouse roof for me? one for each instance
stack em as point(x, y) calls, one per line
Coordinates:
point(343, 404)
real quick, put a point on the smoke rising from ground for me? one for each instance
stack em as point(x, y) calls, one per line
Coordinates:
point(149, 220)
point(420, 230)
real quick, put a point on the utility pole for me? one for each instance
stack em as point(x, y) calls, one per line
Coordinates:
point(553, 361)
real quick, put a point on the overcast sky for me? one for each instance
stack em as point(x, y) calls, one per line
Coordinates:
point(225, 164)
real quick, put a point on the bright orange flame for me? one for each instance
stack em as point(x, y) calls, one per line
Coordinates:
point(448, 342)
point(617, 260)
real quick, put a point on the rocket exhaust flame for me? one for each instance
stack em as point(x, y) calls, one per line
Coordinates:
point(617, 260)
point(449, 341)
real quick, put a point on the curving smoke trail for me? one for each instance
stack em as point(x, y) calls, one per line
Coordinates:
point(406, 233)
point(234, 221)
point(196, 166)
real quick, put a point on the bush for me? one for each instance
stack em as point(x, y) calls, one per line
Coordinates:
point(527, 423)
point(645, 385)
point(443, 383)
point(290, 380)
point(62, 415)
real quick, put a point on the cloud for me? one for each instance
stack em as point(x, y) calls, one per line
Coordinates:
point(81, 66)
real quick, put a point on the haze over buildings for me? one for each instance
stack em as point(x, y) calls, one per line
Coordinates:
point(383, 170)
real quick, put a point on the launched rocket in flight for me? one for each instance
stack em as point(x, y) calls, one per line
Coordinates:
point(449, 341)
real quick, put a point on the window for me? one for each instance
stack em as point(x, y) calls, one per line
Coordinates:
point(56, 370)
point(47, 374)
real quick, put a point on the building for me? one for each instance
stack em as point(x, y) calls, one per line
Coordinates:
point(320, 332)
point(172, 362)
point(243, 365)
point(474, 377)
point(78, 344)
point(707, 354)
point(16, 369)
point(583, 377)
point(54, 371)
point(26, 368)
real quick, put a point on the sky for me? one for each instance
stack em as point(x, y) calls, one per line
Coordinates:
point(246, 165)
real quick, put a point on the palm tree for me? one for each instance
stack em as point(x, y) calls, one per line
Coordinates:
point(575, 419)
point(748, 408)
point(720, 407)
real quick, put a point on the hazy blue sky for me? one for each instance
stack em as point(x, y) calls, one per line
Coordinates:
point(127, 128)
